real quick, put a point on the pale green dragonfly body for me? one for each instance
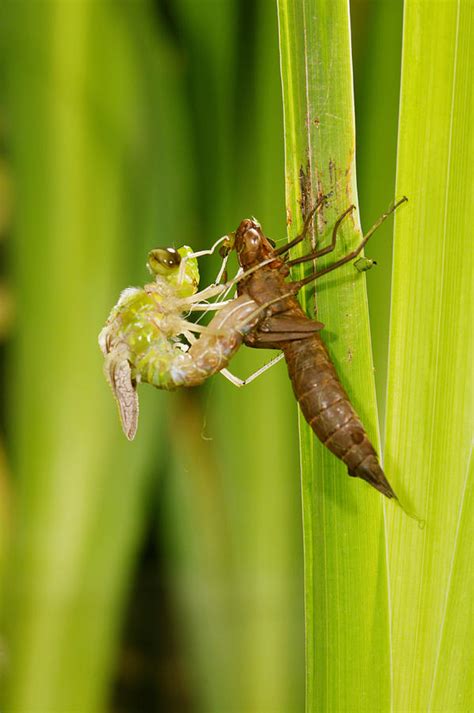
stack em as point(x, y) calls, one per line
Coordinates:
point(147, 337)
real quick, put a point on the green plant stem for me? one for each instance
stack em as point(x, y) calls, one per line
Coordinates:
point(430, 396)
point(345, 583)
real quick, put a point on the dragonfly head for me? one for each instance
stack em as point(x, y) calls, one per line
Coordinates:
point(251, 245)
point(176, 268)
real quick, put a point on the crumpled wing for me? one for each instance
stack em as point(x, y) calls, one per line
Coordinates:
point(119, 376)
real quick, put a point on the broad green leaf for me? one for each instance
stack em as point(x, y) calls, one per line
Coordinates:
point(430, 395)
point(345, 584)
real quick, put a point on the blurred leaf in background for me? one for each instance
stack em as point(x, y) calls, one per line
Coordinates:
point(129, 125)
point(97, 161)
point(233, 527)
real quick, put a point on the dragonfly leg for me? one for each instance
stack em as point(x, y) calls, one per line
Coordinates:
point(354, 253)
point(245, 325)
point(205, 294)
point(200, 253)
point(210, 251)
point(329, 248)
point(306, 225)
point(215, 290)
point(207, 306)
point(192, 327)
point(189, 336)
point(222, 270)
point(243, 382)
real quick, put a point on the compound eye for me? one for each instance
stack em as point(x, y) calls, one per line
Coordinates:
point(162, 260)
point(169, 257)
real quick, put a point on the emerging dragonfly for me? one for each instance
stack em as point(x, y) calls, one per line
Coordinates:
point(322, 398)
point(147, 337)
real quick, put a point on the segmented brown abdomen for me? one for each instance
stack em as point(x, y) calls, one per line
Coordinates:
point(327, 409)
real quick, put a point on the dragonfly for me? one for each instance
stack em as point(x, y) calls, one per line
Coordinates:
point(149, 338)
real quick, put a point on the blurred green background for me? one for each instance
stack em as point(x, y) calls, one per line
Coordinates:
point(163, 574)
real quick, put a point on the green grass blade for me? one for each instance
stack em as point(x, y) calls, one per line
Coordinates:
point(377, 85)
point(345, 584)
point(430, 399)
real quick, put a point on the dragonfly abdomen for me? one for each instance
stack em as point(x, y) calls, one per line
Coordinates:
point(217, 345)
point(326, 407)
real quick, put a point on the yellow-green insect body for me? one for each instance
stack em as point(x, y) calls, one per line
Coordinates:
point(148, 334)
point(147, 337)
point(145, 325)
